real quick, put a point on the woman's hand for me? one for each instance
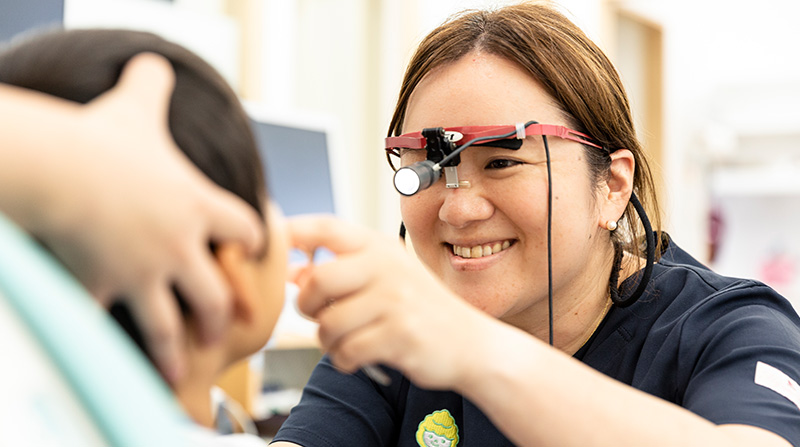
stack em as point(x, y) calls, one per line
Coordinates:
point(376, 304)
point(107, 190)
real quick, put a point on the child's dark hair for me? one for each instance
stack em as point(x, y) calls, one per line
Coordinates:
point(205, 116)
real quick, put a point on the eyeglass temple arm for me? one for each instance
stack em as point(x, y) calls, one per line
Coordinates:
point(417, 141)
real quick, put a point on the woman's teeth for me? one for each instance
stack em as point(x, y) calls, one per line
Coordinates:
point(480, 251)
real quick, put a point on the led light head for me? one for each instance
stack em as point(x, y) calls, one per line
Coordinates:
point(412, 179)
point(439, 144)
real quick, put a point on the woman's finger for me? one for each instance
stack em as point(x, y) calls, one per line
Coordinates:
point(371, 344)
point(323, 284)
point(347, 315)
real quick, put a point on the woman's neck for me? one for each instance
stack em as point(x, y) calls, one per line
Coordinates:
point(629, 266)
point(587, 320)
point(578, 307)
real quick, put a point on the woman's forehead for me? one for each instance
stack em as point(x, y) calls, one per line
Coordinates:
point(479, 89)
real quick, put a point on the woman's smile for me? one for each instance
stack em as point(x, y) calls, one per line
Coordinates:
point(478, 256)
point(480, 250)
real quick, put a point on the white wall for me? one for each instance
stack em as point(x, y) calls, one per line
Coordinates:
point(724, 61)
point(198, 27)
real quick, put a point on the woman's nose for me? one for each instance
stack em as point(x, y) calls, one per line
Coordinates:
point(462, 206)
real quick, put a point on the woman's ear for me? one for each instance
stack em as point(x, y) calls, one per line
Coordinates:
point(238, 271)
point(619, 186)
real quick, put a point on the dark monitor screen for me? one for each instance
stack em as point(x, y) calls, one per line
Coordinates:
point(297, 167)
point(296, 158)
point(17, 16)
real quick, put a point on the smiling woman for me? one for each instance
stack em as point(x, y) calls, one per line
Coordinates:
point(539, 233)
point(506, 202)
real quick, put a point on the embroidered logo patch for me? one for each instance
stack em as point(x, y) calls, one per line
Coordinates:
point(776, 380)
point(438, 429)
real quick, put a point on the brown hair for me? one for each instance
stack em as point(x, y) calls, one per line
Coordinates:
point(570, 68)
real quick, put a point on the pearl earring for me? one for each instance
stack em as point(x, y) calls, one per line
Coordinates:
point(611, 225)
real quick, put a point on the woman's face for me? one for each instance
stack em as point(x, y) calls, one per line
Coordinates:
point(506, 203)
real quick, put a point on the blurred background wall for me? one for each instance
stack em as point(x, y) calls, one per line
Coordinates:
point(714, 84)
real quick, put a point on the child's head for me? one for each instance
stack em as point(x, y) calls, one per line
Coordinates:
point(208, 124)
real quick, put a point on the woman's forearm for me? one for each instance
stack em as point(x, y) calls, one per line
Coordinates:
point(537, 395)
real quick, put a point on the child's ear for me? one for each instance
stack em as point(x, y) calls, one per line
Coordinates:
point(238, 270)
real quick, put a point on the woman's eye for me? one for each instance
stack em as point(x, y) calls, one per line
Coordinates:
point(502, 164)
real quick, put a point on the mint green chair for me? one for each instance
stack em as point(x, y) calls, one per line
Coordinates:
point(52, 324)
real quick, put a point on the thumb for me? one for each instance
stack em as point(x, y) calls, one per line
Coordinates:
point(146, 82)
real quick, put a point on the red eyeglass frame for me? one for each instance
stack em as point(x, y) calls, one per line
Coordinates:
point(415, 140)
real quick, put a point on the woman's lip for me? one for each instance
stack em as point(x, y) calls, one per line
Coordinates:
point(463, 248)
point(471, 264)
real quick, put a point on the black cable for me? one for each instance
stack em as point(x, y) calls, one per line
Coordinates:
point(460, 149)
point(549, 240)
point(616, 267)
point(549, 213)
point(651, 257)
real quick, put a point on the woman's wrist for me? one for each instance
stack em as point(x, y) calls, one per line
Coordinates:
point(500, 353)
